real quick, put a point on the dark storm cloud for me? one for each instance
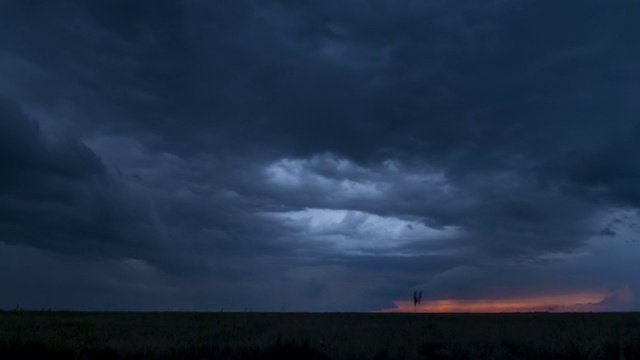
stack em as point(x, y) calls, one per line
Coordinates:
point(58, 195)
point(307, 146)
point(52, 190)
point(460, 81)
point(607, 174)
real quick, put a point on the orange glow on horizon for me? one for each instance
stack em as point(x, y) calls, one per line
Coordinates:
point(569, 302)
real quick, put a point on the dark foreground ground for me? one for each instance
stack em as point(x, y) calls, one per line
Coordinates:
point(103, 335)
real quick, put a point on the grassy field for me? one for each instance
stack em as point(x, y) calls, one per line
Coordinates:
point(105, 335)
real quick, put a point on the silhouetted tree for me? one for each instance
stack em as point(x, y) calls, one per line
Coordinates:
point(417, 299)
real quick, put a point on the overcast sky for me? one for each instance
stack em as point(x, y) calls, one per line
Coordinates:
point(320, 155)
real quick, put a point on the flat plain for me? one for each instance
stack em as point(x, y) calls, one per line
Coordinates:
point(249, 335)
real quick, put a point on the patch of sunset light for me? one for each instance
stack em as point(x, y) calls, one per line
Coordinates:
point(569, 302)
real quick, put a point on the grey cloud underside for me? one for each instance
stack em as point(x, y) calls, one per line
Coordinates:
point(255, 145)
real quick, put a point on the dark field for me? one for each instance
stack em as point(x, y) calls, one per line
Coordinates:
point(102, 335)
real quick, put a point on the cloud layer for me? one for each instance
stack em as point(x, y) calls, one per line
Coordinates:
point(332, 156)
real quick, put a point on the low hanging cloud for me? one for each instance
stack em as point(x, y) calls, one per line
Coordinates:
point(355, 232)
